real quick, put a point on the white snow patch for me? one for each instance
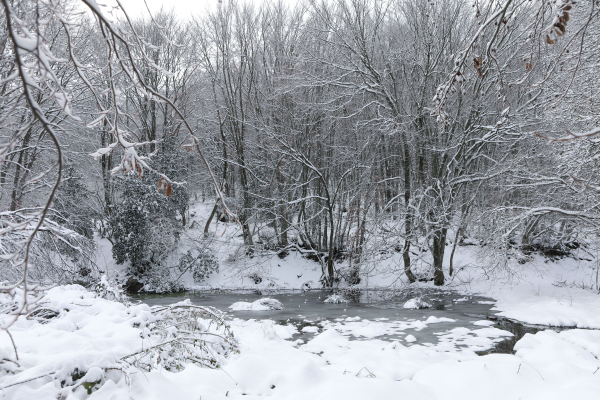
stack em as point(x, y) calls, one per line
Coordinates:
point(416, 304)
point(258, 305)
point(410, 339)
point(483, 323)
point(548, 365)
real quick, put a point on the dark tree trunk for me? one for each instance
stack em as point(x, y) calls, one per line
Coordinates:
point(439, 247)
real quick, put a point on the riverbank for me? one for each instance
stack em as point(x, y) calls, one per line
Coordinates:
point(87, 336)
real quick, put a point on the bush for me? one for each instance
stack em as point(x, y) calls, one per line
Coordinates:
point(201, 266)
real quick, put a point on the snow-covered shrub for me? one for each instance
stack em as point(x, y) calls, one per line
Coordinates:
point(70, 358)
point(185, 333)
point(351, 293)
point(73, 206)
point(201, 266)
point(56, 254)
point(111, 290)
point(350, 274)
point(159, 279)
point(145, 230)
point(147, 223)
point(417, 304)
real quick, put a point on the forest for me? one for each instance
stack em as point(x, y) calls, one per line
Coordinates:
point(334, 129)
point(425, 166)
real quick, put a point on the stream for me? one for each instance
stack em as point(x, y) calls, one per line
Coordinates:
point(379, 308)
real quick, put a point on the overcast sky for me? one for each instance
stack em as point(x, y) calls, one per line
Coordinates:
point(182, 7)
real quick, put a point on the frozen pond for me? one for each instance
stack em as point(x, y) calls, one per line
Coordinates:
point(372, 314)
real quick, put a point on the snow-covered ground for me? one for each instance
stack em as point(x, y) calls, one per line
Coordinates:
point(340, 359)
point(91, 335)
point(540, 291)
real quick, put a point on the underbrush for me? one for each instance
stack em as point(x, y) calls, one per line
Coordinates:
point(101, 336)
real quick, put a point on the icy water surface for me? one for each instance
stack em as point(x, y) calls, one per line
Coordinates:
point(372, 314)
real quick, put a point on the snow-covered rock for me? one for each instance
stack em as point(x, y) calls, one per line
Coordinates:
point(410, 339)
point(417, 304)
point(259, 305)
point(335, 299)
point(484, 323)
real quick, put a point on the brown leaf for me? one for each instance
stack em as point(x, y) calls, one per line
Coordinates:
point(169, 190)
point(548, 40)
point(528, 66)
point(160, 184)
point(567, 7)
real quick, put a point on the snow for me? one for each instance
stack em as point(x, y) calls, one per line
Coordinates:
point(335, 299)
point(91, 334)
point(416, 304)
point(526, 293)
point(484, 322)
point(258, 305)
point(410, 339)
point(535, 298)
point(344, 359)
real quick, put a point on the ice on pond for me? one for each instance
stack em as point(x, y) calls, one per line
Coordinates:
point(259, 305)
point(416, 304)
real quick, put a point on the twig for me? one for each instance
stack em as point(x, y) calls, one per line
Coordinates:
point(13, 343)
point(27, 380)
point(371, 375)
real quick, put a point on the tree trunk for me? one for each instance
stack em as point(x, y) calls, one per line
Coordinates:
point(439, 247)
point(212, 214)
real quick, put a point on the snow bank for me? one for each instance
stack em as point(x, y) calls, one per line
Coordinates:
point(92, 335)
point(78, 342)
point(259, 305)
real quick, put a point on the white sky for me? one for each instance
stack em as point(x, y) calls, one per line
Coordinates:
point(182, 7)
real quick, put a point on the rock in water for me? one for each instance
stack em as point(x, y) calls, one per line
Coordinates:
point(410, 339)
point(417, 304)
point(259, 305)
point(335, 299)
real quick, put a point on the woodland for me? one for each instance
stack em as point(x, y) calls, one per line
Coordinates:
point(337, 130)
point(414, 184)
